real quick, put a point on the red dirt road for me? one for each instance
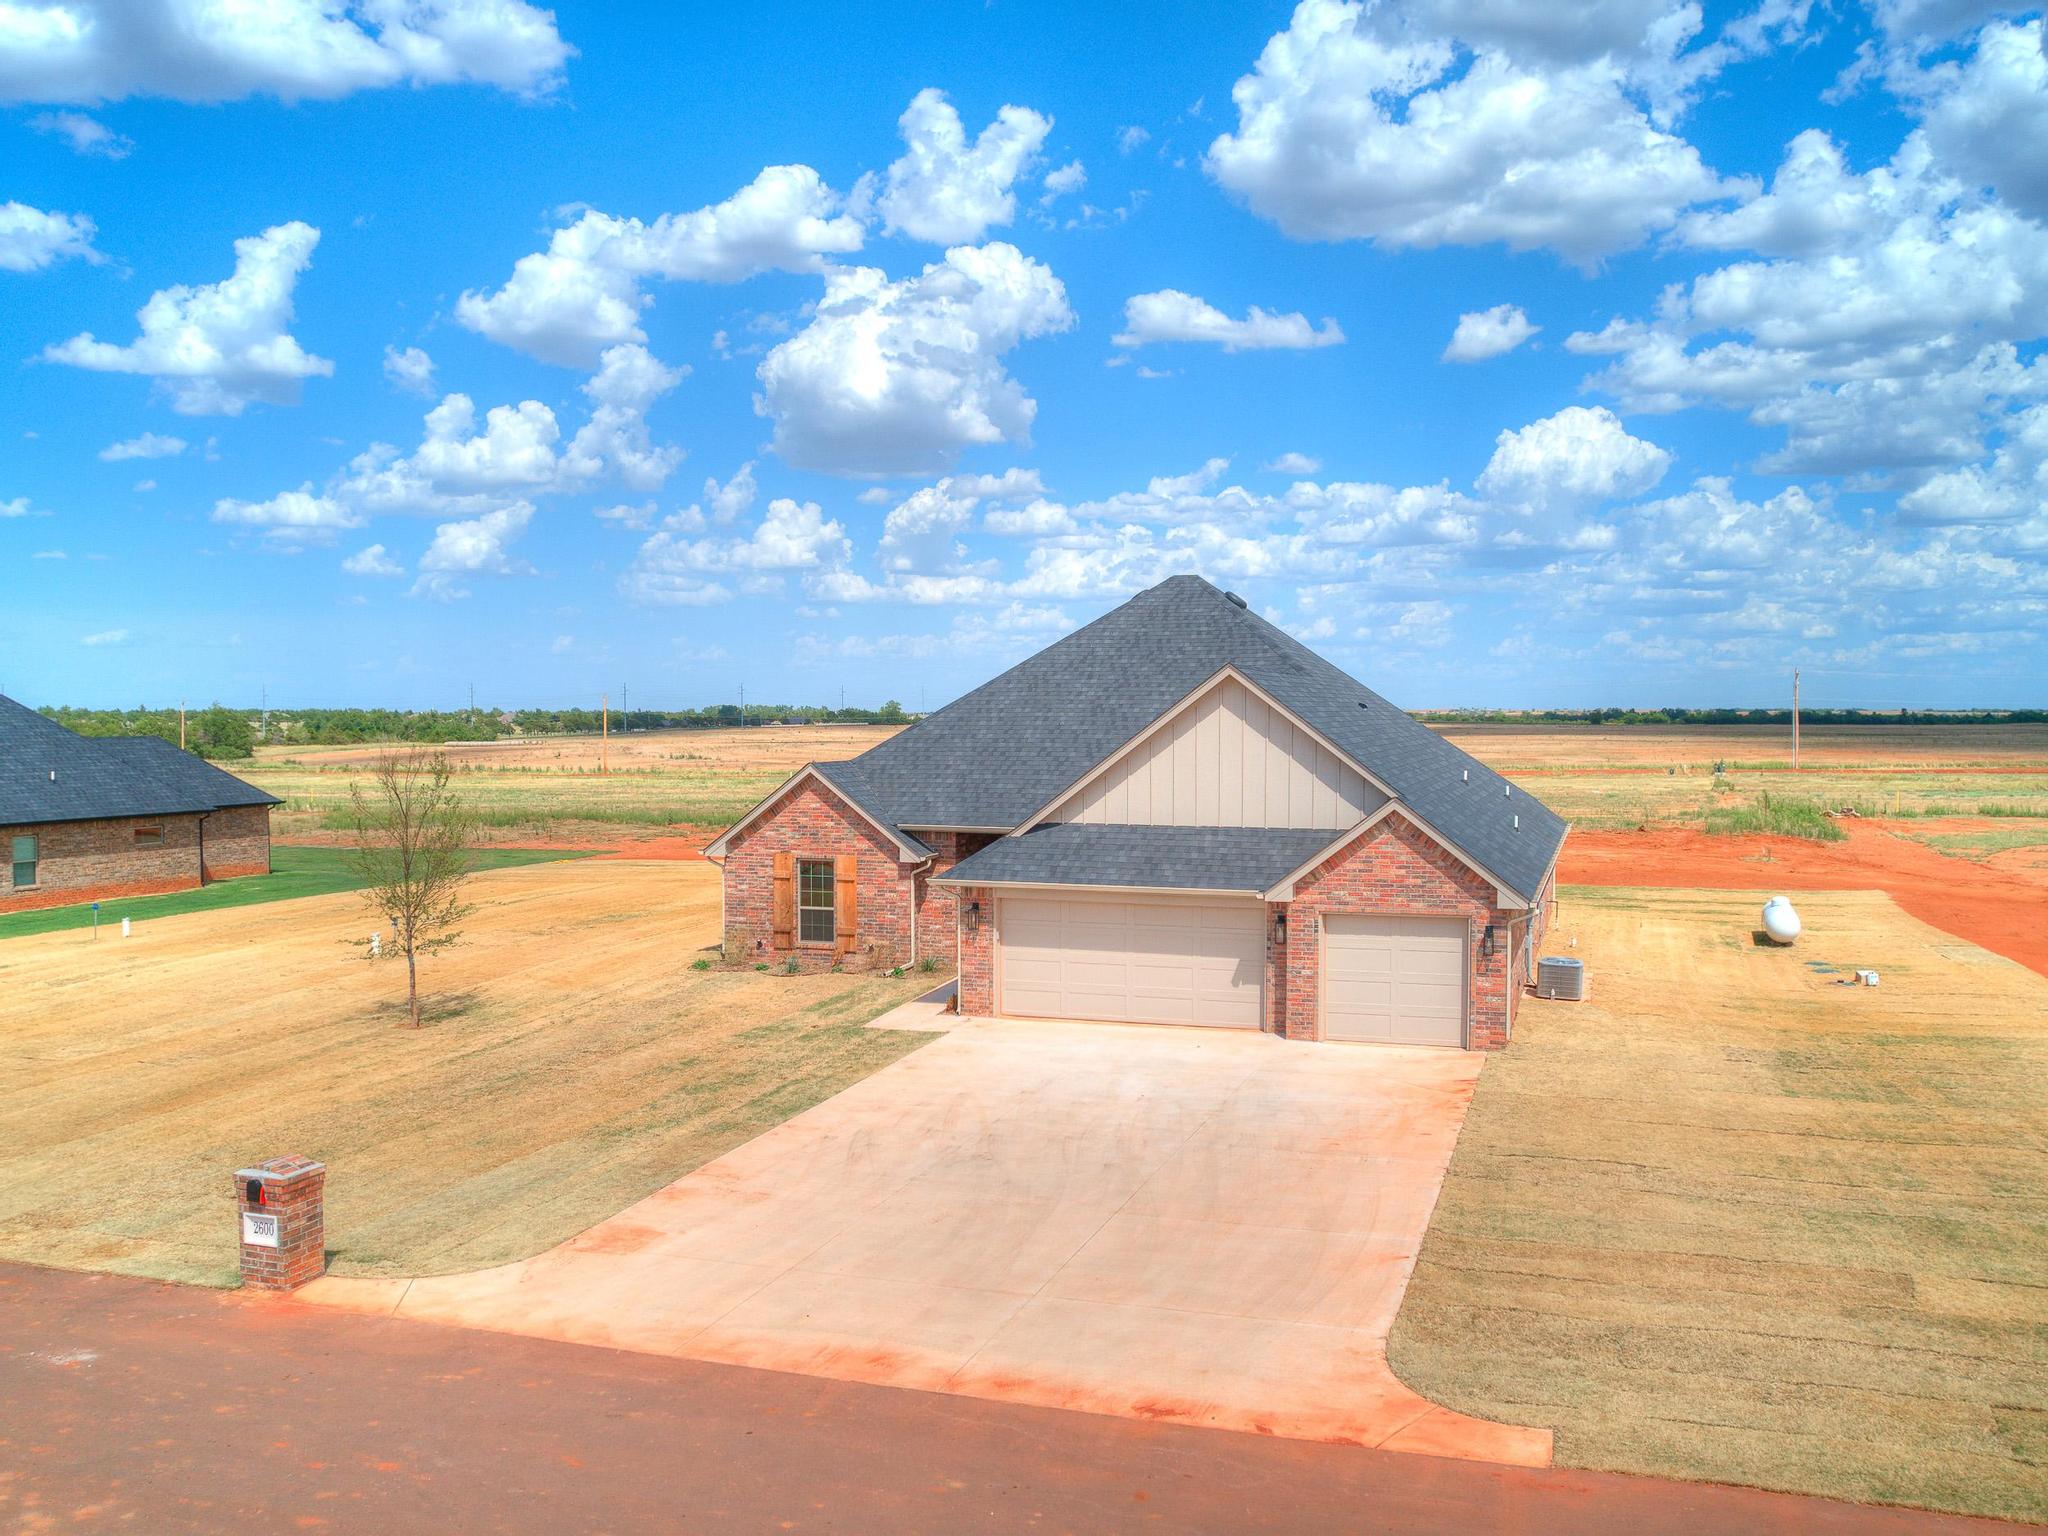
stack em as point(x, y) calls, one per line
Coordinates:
point(2002, 911)
point(146, 1407)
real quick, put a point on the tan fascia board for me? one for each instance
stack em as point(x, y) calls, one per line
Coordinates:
point(718, 845)
point(1187, 702)
point(1283, 890)
point(1115, 890)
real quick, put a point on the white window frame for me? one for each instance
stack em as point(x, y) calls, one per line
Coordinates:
point(830, 907)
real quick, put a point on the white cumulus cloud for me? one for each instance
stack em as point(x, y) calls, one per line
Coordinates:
point(86, 51)
point(31, 239)
point(1170, 315)
point(1488, 333)
point(148, 445)
point(474, 546)
point(583, 293)
point(375, 560)
point(214, 348)
point(412, 370)
point(86, 135)
point(948, 190)
point(290, 517)
point(1446, 128)
point(899, 377)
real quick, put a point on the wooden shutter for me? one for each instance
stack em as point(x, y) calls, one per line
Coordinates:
point(846, 876)
point(785, 900)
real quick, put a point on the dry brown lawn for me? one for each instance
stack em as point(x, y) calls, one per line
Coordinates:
point(1733, 1220)
point(573, 1063)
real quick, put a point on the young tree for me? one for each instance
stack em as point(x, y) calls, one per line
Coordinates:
point(412, 841)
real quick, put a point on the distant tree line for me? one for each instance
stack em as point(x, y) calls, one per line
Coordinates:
point(221, 732)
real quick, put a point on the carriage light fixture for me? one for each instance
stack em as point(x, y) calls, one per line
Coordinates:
point(1487, 942)
point(1279, 927)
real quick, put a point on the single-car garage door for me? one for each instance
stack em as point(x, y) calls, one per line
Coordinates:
point(1134, 962)
point(1400, 980)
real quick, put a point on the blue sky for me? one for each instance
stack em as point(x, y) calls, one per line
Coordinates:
point(1510, 354)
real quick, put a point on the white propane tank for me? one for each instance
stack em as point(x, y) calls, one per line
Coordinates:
point(1780, 921)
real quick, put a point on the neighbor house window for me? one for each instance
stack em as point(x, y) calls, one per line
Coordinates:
point(816, 921)
point(24, 861)
point(149, 837)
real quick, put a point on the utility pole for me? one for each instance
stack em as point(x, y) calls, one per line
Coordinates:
point(743, 706)
point(1795, 719)
point(181, 725)
point(263, 715)
point(604, 737)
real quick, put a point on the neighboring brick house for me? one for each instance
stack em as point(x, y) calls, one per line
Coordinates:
point(1177, 815)
point(83, 818)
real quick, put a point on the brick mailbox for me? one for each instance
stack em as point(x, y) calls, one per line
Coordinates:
point(283, 1237)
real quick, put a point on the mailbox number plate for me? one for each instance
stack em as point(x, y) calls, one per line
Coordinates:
point(259, 1230)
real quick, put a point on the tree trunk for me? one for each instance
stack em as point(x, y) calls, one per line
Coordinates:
point(412, 985)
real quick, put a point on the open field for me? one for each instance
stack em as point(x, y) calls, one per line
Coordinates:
point(294, 872)
point(556, 786)
point(1734, 1220)
point(573, 1063)
point(678, 786)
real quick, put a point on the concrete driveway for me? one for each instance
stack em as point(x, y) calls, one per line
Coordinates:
point(1205, 1226)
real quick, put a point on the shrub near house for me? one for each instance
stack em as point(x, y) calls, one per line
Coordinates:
point(1178, 814)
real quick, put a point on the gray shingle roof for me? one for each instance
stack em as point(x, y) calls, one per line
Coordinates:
point(201, 779)
point(1159, 858)
point(48, 774)
point(847, 778)
point(1002, 753)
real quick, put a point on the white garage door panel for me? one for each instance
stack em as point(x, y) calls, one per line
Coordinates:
point(1132, 962)
point(1395, 979)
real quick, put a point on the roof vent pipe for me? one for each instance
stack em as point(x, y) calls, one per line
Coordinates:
point(1518, 823)
point(53, 775)
point(1237, 600)
point(1506, 790)
point(1465, 775)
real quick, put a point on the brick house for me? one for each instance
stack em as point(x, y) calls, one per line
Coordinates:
point(82, 818)
point(1179, 815)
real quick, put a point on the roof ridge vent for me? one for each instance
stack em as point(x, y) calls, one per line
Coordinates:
point(1233, 597)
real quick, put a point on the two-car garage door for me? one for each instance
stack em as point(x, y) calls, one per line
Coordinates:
point(1137, 962)
point(1397, 980)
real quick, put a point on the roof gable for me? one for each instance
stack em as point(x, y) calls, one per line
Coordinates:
point(1002, 753)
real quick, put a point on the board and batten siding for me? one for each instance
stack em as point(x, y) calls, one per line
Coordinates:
point(1227, 760)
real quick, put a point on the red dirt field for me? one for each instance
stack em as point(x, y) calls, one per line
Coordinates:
point(2003, 909)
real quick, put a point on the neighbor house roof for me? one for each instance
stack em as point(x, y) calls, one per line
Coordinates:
point(1001, 754)
point(191, 772)
point(1154, 858)
point(49, 773)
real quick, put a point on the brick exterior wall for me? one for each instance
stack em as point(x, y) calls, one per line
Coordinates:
point(811, 822)
point(938, 908)
point(96, 860)
point(238, 842)
point(1395, 869)
point(978, 955)
point(100, 860)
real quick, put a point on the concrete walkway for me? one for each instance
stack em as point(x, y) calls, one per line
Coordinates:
point(1209, 1227)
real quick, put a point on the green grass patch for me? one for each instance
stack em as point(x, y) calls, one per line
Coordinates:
point(1775, 816)
point(294, 872)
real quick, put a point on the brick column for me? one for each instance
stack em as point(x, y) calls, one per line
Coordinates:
point(279, 1207)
